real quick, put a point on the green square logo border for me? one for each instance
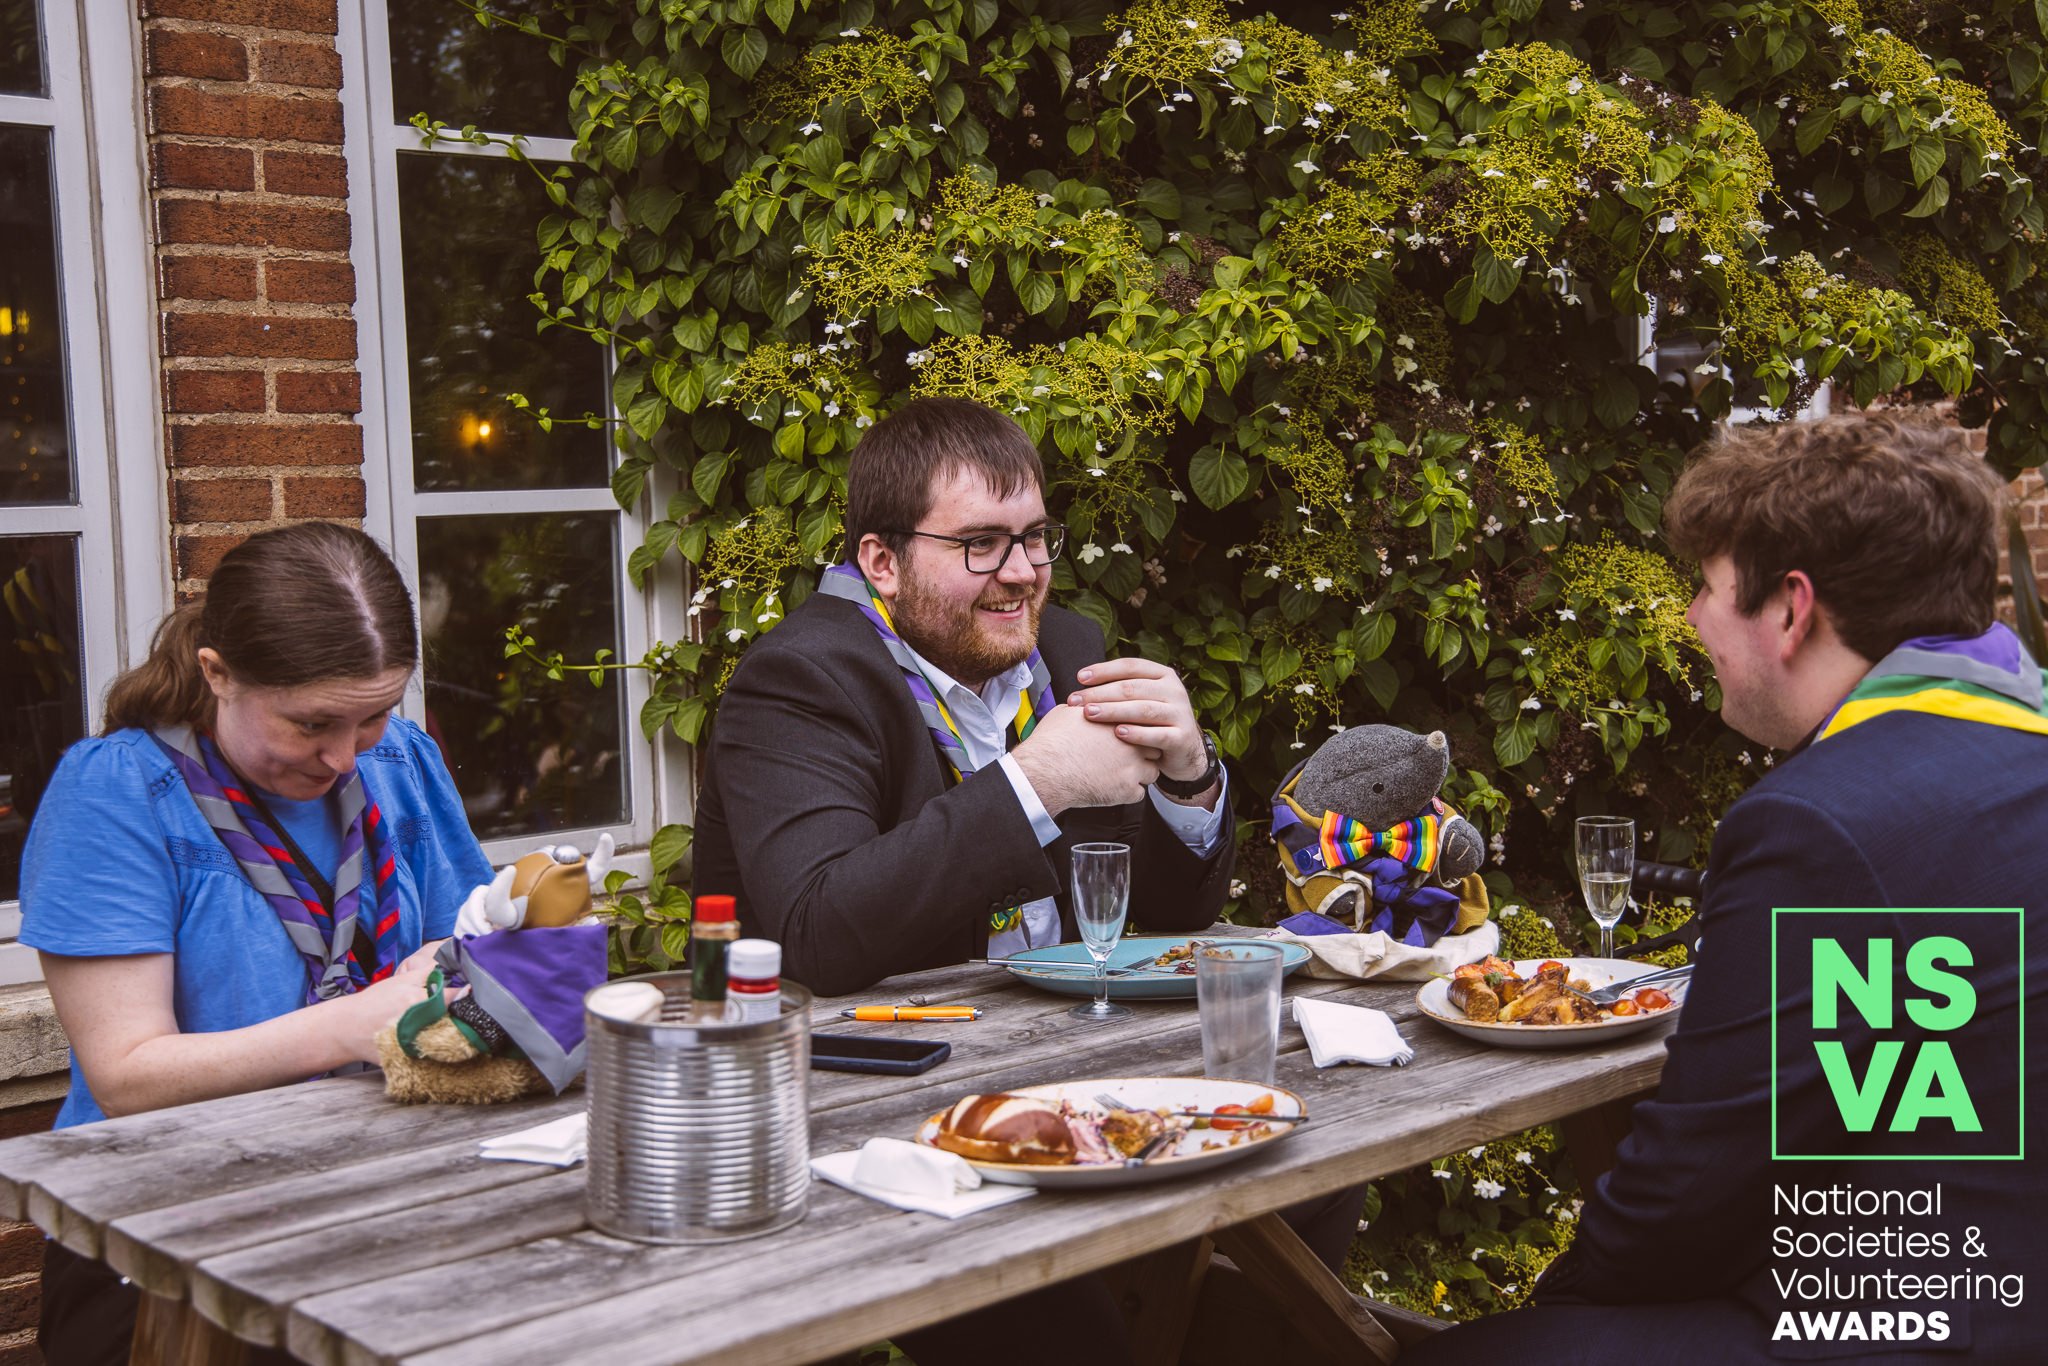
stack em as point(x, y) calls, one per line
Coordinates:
point(2021, 1051)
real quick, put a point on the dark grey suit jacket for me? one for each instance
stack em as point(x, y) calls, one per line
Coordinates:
point(828, 812)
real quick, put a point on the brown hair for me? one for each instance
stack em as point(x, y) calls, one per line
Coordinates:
point(1891, 514)
point(301, 604)
point(890, 477)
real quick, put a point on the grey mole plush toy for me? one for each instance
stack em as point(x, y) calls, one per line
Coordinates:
point(1363, 837)
point(1383, 775)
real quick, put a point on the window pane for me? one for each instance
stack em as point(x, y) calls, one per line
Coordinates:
point(35, 424)
point(42, 704)
point(467, 228)
point(21, 49)
point(445, 64)
point(528, 755)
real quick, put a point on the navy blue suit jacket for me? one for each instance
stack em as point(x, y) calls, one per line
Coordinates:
point(1905, 810)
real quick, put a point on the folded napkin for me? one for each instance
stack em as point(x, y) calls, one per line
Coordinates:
point(913, 1177)
point(1379, 954)
point(1339, 1033)
point(558, 1143)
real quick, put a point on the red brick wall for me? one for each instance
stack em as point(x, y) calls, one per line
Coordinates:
point(21, 1256)
point(249, 191)
point(2034, 517)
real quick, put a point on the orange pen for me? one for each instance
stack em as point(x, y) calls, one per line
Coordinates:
point(893, 1013)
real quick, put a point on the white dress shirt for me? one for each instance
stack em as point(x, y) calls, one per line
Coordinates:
point(983, 720)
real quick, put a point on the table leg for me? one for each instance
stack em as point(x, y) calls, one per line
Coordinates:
point(1274, 1259)
point(1158, 1294)
point(1591, 1136)
point(172, 1333)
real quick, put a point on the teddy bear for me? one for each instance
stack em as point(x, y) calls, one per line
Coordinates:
point(1366, 843)
point(527, 961)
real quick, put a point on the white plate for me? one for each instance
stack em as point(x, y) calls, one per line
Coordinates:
point(1434, 998)
point(1198, 1150)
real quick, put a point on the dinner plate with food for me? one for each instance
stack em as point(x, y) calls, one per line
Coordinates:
point(1142, 967)
point(1548, 1002)
point(1070, 1135)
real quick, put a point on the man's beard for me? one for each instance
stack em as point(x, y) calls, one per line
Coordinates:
point(954, 636)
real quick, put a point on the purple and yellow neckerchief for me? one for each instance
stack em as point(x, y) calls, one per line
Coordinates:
point(1984, 678)
point(847, 582)
point(1322, 844)
point(324, 941)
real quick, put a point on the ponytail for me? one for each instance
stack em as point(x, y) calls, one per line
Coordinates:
point(168, 688)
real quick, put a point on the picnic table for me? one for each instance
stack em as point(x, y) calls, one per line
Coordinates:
point(322, 1218)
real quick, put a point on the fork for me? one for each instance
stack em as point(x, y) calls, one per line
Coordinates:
point(1608, 995)
point(1109, 1102)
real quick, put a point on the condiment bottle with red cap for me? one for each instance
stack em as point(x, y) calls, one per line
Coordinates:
point(714, 924)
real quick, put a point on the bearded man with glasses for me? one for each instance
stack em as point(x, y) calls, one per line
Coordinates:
point(897, 770)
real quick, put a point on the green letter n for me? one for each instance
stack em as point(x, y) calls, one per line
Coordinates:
point(1871, 994)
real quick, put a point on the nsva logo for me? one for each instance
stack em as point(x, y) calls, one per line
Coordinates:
point(1898, 1036)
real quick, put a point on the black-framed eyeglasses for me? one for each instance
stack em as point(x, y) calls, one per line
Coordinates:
point(990, 551)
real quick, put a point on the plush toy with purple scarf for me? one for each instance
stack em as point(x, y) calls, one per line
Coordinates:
point(527, 961)
point(1367, 845)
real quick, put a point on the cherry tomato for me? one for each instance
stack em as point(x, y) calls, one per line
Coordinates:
point(1649, 998)
point(1232, 1123)
point(1624, 1007)
point(1548, 964)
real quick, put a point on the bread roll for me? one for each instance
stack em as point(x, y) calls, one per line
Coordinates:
point(1006, 1128)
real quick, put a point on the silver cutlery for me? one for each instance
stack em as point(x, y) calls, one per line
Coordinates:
point(1109, 1102)
point(1608, 995)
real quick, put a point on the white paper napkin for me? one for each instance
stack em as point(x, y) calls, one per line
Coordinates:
point(910, 1176)
point(558, 1143)
point(1340, 1033)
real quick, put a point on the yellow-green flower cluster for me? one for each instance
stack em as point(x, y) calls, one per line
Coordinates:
point(1116, 383)
point(1662, 917)
point(750, 558)
point(1324, 559)
point(1109, 250)
point(973, 207)
point(1174, 46)
point(1949, 287)
point(1518, 461)
point(1336, 390)
point(867, 269)
point(771, 371)
point(876, 71)
point(1338, 236)
point(984, 368)
point(1317, 469)
point(1630, 581)
point(1304, 693)
point(1319, 82)
point(1898, 73)
point(1526, 934)
point(1390, 29)
point(1109, 492)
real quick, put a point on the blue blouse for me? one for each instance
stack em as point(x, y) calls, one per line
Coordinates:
point(120, 861)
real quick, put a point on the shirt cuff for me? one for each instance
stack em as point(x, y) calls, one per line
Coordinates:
point(1042, 823)
point(1199, 830)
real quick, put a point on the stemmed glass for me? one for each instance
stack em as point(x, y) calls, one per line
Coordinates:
point(1102, 893)
point(1607, 862)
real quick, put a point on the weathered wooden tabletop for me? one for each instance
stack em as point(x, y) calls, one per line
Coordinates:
point(351, 1230)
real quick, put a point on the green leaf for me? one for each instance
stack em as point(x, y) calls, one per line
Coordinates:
point(1813, 130)
point(670, 843)
point(1616, 400)
point(1219, 475)
point(744, 49)
point(1496, 279)
point(780, 12)
point(709, 473)
point(1927, 157)
point(1932, 201)
point(1160, 198)
point(1380, 681)
point(1515, 742)
point(1462, 302)
point(1375, 636)
point(1230, 271)
point(1036, 292)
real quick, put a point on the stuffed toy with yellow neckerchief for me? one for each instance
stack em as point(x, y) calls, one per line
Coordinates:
point(527, 961)
point(1367, 845)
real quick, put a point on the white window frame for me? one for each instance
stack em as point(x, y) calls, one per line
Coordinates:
point(374, 136)
point(1817, 407)
point(120, 510)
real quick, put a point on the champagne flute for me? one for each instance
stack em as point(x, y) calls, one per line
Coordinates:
point(1102, 894)
point(1607, 862)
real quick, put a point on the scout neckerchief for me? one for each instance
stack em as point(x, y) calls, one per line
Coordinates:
point(846, 581)
point(323, 935)
point(1986, 678)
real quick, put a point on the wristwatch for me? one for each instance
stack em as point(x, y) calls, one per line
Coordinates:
point(1188, 788)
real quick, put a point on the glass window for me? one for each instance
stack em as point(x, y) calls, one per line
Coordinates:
point(42, 690)
point(529, 755)
point(467, 223)
point(21, 49)
point(447, 65)
point(35, 442)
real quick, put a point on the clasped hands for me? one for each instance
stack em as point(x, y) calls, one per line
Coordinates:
point(1128, 724)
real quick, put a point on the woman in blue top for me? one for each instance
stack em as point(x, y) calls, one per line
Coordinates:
point(243, 878)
